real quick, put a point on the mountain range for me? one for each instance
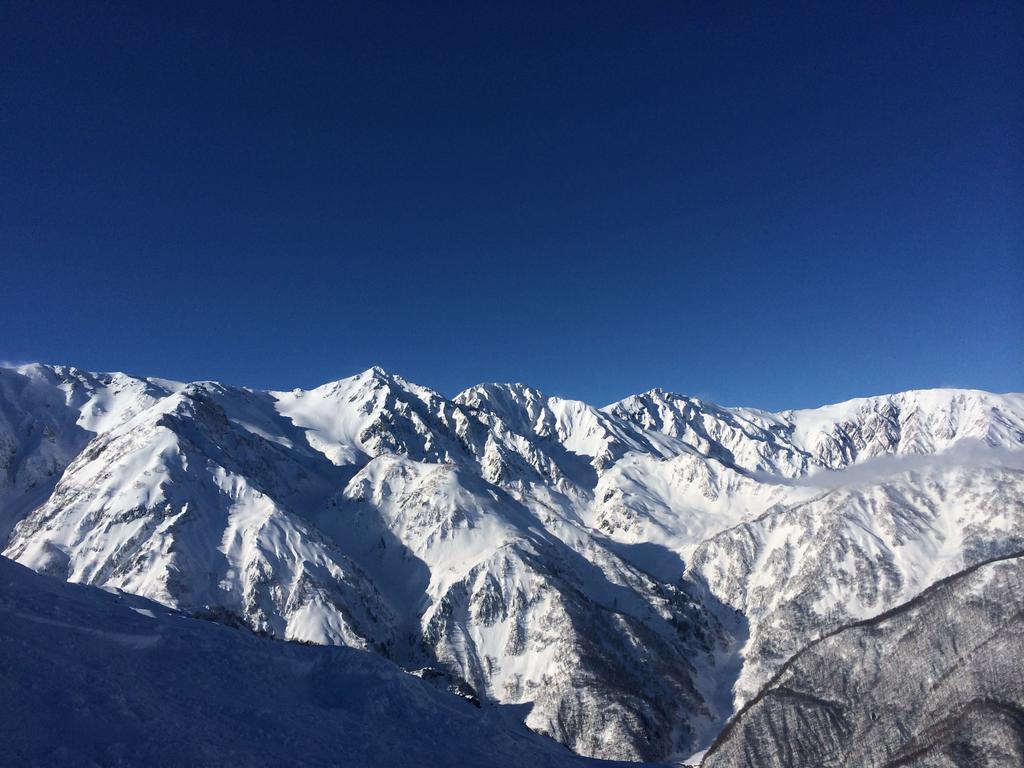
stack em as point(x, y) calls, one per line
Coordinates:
point(637, 582)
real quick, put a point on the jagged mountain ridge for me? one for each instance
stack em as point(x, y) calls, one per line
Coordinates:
point(532, 545)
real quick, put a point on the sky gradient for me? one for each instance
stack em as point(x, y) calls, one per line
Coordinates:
point(778, 207)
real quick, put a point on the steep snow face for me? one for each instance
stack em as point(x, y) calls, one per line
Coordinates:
point(608, 674)
point(680, 501)
point(737, 463)
point(627, 571)
point(936, 682)
point(440, 515)
point(795, 443)
point(47, 415)
point(528, 616)
point(241, 699)
point(180, 505)
point(744, 438)
point(918, 422)
point(585, 437)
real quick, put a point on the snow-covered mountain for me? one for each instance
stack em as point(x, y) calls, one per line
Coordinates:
point(633, 573)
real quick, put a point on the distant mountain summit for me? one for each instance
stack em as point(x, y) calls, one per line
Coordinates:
point(634, 573)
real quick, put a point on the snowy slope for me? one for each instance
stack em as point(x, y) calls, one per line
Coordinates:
point(93, 678)
point(47, 415)
point(619, 570)
point(179, 505)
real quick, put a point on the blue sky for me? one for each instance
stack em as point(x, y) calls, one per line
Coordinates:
point(779, 206)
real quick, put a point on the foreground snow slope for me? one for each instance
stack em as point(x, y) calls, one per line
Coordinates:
point(631, 573)
point(93, 678)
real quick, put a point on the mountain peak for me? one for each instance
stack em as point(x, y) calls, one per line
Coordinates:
point(376, 372)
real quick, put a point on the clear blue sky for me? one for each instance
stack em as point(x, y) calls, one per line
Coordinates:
point(766, 205)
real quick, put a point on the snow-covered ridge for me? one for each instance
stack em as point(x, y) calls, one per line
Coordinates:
point(624, 570)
